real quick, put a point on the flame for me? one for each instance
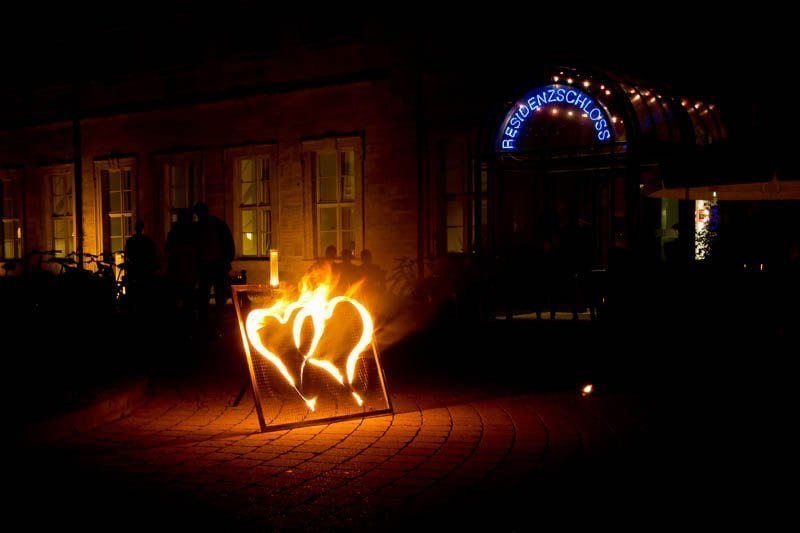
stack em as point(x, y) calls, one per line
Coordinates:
point(314, 303)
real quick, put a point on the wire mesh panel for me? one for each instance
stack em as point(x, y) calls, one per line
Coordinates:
point(312, 357)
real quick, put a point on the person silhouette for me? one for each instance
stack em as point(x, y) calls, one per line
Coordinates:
point(140, 266)
point(215, 251)
point(181, 251)
point(347, 271)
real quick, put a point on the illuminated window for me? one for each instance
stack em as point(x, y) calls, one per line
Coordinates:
point(336, 194)
point(62, 213)
point(10, 208)
point(117, 187)
point(252, 177)
point(184, 185)
point(255, 206)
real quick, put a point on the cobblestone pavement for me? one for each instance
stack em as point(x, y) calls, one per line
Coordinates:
point(448, 455)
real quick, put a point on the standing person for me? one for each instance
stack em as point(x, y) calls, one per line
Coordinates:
point(181, 251)
point(140, 266)
point(215, 251)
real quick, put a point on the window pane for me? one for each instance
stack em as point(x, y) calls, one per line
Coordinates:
point(115, 202)
point(248, 220)
point(455, 213)
point(265, 234)
point(114, 181)
point(178, 176)
point(247, 170)
point(327, 190)
point(126, 179)
point(326, 238)
point(249, 243)
point(349, 241)
point(127, 226)
point(263, 168)
point(8, 249)
point(327, 165)
point(455, 239)
point(264, 181)
point(348, 160)
point(347, 219)
point(117, 243)
point(327, 219)
point(69, 244)
point(348, 188)
point(266, 220)
point(59, 205)
point(264, 191)
point(59, 229)
point(179, 199)
point(249, 193)
point(127, 202)
point(115, 227)
point(58, 185)
point(60, 244)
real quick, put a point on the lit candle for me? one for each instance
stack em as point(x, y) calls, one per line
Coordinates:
point(273, 268)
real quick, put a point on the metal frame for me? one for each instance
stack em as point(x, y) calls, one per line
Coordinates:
point(254, 386)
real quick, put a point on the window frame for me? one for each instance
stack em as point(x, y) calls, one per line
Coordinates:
point(232, 158)
point(163, 164)
point(103, 200)
point(311, 151)
point(455, 153)
point(47, 173)
point(12, 175)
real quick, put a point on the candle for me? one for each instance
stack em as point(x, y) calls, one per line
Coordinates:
point(273, 268)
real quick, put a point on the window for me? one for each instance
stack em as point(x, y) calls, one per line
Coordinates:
point(252, 169)
point(10, 215)
point(336, 184)
point(334, 208)
point(61, 212)
point(458, 200)
point(117, 186)
point(254, 206)
point(183, 182)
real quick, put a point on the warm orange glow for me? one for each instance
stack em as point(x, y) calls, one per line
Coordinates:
point(315, 304)
point(586, 390)
point(273, 268)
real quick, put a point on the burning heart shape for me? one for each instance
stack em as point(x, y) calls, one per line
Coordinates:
point(315, 306)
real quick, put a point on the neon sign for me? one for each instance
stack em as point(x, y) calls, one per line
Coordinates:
point(535, 100)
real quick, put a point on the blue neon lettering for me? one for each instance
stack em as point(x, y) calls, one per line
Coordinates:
point(516, 119)
point(541, 99)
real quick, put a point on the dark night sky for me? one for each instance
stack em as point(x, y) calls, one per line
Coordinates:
point(741, 59)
